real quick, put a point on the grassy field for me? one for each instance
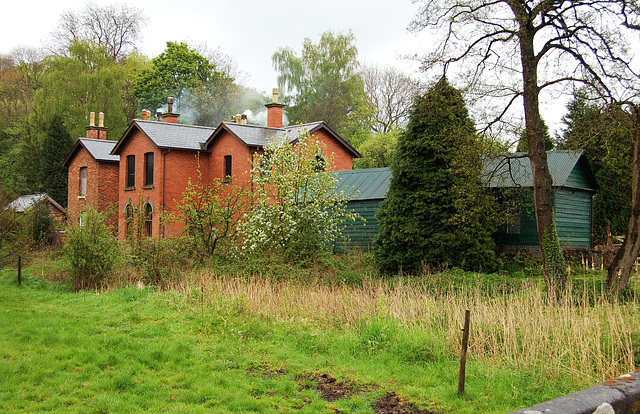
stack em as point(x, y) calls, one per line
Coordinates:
point(216, 343)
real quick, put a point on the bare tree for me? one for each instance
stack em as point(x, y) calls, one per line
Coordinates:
point(516, 50)
point(116, 27)
point(392, 93)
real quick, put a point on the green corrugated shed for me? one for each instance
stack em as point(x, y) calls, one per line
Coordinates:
point(573, 181)
point(574, 186)
point(371, 185)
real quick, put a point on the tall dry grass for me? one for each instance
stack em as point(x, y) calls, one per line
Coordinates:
point(586, 340)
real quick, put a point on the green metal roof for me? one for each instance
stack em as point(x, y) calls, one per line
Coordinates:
point(568, 168)
point(371, 183)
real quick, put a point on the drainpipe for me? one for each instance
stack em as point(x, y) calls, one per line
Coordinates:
point(164, 186)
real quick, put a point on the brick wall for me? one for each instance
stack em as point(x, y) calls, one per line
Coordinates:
point(181, 166)
point(342, 159)
point(241, 155)
point(139, 194)
point(173, 168)
point(102, 181)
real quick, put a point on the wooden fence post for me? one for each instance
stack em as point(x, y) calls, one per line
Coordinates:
point(463, 352)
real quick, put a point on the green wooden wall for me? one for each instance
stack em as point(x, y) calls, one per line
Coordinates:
point(360, 234)
point(572, 209)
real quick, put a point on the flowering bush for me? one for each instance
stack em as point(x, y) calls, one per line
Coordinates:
point(298, 208)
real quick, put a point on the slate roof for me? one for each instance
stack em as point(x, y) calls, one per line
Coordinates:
point(370, 183)
point(169, 135)
point(26, 202)
point(260, 136)
point(514, 170)
point(191, 137)
point(100, 149)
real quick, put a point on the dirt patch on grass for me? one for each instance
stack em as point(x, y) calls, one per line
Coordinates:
point(392, 404)
point(330, 388)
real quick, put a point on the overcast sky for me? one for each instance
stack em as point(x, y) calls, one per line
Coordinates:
point(250, 31)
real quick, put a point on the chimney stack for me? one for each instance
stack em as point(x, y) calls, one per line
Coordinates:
point(274, 111)
point(169, 116)
point(96, 132)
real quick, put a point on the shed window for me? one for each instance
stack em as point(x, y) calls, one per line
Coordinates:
point(131, 170)
point(148, 168)
point(227, 168)
point(83, 181)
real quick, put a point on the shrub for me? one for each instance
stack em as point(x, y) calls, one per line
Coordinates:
point(298, 209)
point(92, 250)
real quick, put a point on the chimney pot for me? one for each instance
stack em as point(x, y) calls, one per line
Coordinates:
point(159, 115)
point(101, 120)
point(170, 104)
point(275, 95)
point(92, 119)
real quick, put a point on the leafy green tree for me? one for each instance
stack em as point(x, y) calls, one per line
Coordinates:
point(40, 225)
point(172, 73)
point(11, 227)
point(378, 150)
point(298, 210)
point(606, 136)
point(56, 146)
point(323, 84)
point(436, 211)
point(89, 80)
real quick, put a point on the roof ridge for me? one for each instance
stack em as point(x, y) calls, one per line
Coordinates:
point(98, 140)
point(174, 125)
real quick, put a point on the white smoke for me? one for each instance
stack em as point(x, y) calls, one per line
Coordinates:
point(260, 118)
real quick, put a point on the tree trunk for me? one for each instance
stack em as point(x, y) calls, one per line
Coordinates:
point(552, 257)
point(620, 269)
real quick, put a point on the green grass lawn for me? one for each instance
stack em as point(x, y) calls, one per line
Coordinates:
point(144, 350)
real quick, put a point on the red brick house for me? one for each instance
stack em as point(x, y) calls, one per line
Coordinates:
point(93, 174)
point(158, 158)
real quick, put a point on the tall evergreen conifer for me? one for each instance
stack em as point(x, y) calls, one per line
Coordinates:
point(436, 212)
point(55, 148)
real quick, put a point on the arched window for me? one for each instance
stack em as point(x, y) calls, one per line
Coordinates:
point(148, 220)
point(83, 181)
point(128, 217)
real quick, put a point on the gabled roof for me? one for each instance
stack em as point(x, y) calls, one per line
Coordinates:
point(169, 135)
point(260, 136)
point(99, 149)
point(190, 137)
point(514, 170)
point(26, 202)
point(370, 183)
